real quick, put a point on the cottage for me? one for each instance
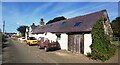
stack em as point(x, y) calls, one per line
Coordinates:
point(74, 34)
point(29, 30)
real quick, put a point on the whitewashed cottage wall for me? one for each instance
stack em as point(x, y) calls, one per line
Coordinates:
point(50, 36)
point(87, 43)
point(37, 36)
point(63, 41)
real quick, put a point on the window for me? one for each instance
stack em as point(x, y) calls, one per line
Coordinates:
point(45, 33)
point(77, 24)
point(62, 23)
point(51, 25)
point(32, 38)
point(58, 36)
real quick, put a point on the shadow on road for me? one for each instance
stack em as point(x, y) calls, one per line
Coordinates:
point(4, 45)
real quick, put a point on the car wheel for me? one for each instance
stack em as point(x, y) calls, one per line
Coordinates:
point(26, 43)
point(29, 44)
point(39, 46)
point(46, 49)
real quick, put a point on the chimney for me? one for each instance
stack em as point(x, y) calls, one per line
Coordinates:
point(33, 23)
point(41, 22)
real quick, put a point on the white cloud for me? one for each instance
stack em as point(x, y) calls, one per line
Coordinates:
point(1, 25)
point(39, 9)
point(19, 24)
point(86, 9)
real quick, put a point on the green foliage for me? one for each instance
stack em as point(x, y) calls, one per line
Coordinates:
point(0, 37)
point(116, 27)
point(101, 47)
point(3, 38)
point(22, 30)
point(56, 19)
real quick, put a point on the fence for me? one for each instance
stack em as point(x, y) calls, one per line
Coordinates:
point(115, 40)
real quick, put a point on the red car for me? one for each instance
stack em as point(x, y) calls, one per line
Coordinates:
point(47, 45)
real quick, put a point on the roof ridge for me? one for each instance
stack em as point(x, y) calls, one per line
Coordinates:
point(88, 20)
point(90, 13)
point(77, 17)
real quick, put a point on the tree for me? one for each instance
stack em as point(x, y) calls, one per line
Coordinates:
point(116, 27)
point(56, 19)
point(101, 47)
point(22, 30)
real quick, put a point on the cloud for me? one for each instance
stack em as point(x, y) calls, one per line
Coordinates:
point(19, 24)
point(88, 9)
point(1, 15)
point(15, 17)
point(38, 12)
point(39, 9)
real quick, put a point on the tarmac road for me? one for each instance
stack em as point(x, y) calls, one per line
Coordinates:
point(16, 52)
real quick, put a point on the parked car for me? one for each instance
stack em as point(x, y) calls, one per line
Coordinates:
point(21, 39)
point(44, 43)
point(31, 40)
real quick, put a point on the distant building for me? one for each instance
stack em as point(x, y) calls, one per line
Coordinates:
point(18, 33)
point(29, 30)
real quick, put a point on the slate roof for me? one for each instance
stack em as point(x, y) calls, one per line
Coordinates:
point(33, 26)
point(77, 24)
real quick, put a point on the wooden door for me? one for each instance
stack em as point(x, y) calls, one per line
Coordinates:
point(75, 43)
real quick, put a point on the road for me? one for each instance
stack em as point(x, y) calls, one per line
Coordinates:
point(16, 52)
point(19, 53)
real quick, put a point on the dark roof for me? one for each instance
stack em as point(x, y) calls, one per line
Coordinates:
point(77, 24)
point(33, 26)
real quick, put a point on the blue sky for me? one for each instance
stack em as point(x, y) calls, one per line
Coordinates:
point(25, 13)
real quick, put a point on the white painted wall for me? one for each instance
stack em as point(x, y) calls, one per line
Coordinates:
point(38, 35)
point(32, 35)
point(30, 32)
point(87, 43)
point(63, 41)
point(26, 36)
point(51, 36)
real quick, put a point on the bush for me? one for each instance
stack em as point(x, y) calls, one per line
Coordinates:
point(101, 47)
point(89, 55)
point(4, 37)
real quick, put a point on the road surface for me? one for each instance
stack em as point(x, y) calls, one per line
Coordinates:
point(16, 52)
point(19, 53)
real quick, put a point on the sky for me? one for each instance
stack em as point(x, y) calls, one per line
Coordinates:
point(16, 14)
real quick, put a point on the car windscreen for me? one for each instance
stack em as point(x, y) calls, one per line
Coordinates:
point(32, 38)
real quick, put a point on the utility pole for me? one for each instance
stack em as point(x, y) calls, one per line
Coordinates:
point(3, 26)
